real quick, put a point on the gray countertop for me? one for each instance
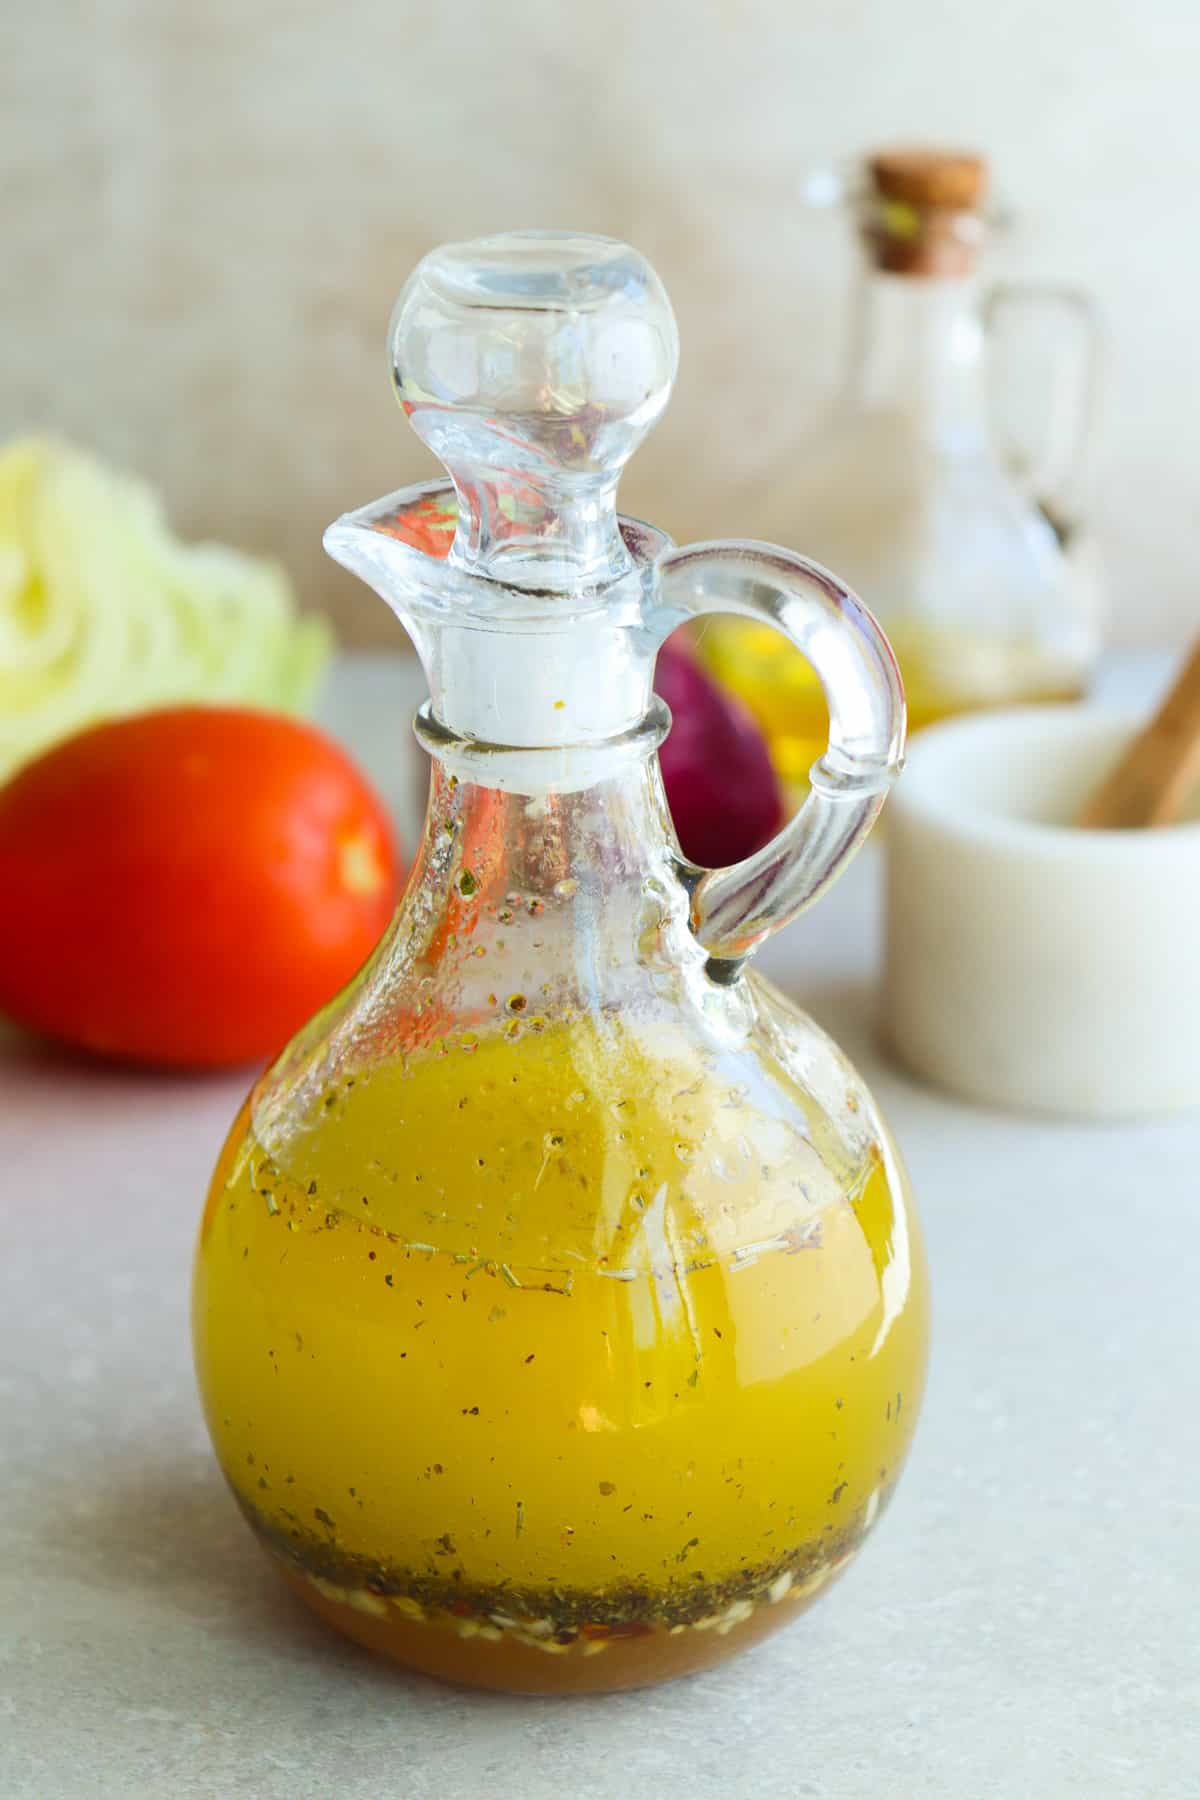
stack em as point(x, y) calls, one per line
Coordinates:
point(1026, 1622)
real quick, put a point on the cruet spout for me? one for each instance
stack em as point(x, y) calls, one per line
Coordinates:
point(398, 545)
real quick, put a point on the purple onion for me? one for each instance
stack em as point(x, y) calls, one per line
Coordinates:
point(721, 785)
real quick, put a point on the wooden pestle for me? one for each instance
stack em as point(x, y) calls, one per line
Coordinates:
point(1159, 768)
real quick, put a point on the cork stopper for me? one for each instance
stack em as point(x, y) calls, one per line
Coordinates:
point(921, 213)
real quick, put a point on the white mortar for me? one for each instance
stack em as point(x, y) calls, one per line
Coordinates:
point(1030, 964)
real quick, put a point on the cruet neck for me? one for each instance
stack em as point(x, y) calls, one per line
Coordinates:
point(490, 839)
point(917, 353)
point(917, 344)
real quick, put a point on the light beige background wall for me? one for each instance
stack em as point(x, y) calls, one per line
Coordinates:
point(210, 204)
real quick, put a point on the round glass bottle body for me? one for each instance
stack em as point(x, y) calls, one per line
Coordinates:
point(560, 1312)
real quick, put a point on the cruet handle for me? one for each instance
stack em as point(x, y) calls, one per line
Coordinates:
point(1043, 341)
point(734, 909)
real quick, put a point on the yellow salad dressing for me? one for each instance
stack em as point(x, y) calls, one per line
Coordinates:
point(551, 1347)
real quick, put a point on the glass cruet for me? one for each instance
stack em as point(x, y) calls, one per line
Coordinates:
point(559, 1308)
point(933, 480)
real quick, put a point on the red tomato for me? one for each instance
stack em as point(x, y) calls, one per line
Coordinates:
point(187, 887)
